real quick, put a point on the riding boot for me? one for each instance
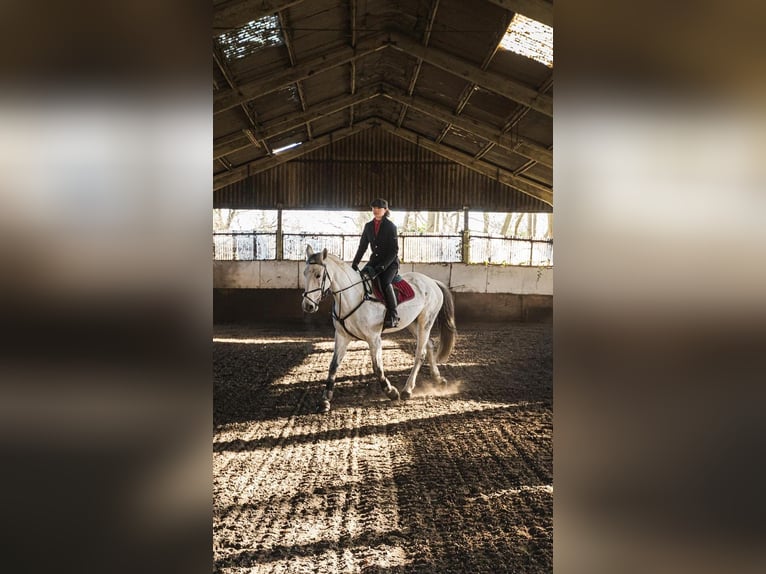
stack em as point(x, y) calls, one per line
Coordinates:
point(392, 317)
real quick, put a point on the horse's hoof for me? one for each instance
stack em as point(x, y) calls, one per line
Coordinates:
point(323, 406)
point(404, 395)
point(442, 381)
point(393, 394)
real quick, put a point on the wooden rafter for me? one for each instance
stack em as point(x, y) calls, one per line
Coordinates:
point(262, 86)
point(515, 91)
point(293, 62)
point(521, 146)
point(233, 142)
point(469, 90)
point(511, 89)
point(539, 10)
point(244, 171)
point(505, 177)
point(515, 118)
point(237, 13)
point(353, 62)
point(416, 71)
point(253, 131)
point(231, 14)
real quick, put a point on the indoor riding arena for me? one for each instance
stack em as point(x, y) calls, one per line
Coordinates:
point(321, 107)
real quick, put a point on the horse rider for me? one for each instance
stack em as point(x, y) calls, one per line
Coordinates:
point(380, 235)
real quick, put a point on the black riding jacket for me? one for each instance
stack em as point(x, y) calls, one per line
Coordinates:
point(384, 246)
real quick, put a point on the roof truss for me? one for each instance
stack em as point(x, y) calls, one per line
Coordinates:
point(520, 136)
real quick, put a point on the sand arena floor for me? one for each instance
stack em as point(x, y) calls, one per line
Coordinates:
point(456, 479)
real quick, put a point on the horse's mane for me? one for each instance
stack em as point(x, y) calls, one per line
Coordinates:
point(342, 265)
point(315, 258)
point(345, 267)
point(335, 258)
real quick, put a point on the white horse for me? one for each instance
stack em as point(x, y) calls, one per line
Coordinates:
point(356, 316)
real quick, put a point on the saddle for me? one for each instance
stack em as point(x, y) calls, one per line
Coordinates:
point(403, 290)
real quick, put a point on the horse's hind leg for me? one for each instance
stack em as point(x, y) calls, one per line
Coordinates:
point(376, 351)
point(432, 362)
point(421, 340)
point(341, 344)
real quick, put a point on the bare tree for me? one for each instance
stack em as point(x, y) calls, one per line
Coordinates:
point(506, 224)
point(432, 226)
point(408, 224)
point(223, 218)
point(517, 225)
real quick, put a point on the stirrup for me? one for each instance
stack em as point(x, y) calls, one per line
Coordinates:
point(390, 322)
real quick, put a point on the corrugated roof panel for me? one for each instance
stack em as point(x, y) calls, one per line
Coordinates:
point(536, 127)
point(326, 85)
point(467, 30)
point(329, 123)
point(376, 160)
point(540, 173)
point(489, 108)
point(347, 173)
point(422, 124)
point(504, 158)
point(276, 104)
point(439, 86)
point(463, 141)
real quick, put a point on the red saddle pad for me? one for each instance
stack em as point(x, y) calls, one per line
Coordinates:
point(402, 289)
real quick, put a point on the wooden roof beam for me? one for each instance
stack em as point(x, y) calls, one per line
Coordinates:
point(244, 171)
point(234, 142)
point(505, 177)
point(514, 119)
point(291, 121)
point(416, 71)
point(470, 88)
point(539, 10)
point(516, 144)
point(253, 131)
point(271, 82)
point(293, 61)
point(236, 13)
point(352, 16)
point(512, 90)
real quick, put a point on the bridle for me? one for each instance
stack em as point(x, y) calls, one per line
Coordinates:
point(328, 290)
point(324, 290)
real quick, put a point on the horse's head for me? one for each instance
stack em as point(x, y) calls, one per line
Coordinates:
point(316, 280)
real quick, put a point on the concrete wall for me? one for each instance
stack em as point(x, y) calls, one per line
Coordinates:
point(270, 291)
point(460, 277)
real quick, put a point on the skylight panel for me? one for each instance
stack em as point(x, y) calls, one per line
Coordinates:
point(529, 38)
point(287, 147)
point(251, 37)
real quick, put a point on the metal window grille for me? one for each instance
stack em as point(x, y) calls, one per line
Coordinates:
point(244, 246)
point(249, 246)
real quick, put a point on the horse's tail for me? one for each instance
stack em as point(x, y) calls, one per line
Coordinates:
point(447, 328)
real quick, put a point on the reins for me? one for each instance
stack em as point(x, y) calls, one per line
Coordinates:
point(341, 320)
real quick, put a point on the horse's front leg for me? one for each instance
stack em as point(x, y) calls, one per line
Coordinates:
point(341, 344)
point(376, 351)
